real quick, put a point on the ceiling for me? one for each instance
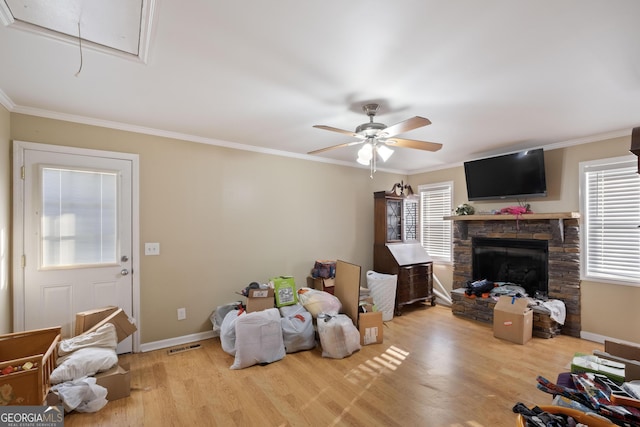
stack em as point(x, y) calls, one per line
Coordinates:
point(493, 77)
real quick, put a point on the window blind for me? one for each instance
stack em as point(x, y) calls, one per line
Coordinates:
point(436, 235)
point(611, 204)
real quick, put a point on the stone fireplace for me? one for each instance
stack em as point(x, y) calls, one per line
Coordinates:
point(512, 242)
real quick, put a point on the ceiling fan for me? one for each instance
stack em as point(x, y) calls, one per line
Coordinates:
point(376, 137)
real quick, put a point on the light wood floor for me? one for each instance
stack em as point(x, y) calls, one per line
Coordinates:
point(433, 369)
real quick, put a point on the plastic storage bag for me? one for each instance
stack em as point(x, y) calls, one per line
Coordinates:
point(383, 290)
point(338, 336)
point(297, 330)
point(82, 395)
point(316, 302)
point(258, 338)
point(228, 331)
point(219, 313)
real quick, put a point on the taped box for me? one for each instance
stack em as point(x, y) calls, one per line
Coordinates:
point(370, 326)
point(513, 320)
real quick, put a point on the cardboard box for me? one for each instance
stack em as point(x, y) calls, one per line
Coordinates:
point(513, 320)
point(370, 326)
point(87, 319)
point(320, 284)
point(118, 318)
point(626, 354)
point(260, 299)
point(116, 380)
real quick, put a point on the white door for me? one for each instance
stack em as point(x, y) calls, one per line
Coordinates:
point(76, 236)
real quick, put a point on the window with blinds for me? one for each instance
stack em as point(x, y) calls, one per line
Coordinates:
point(610, 204)
point(436, 233)
point(79, 224)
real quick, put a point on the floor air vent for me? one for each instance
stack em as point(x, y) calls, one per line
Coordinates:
point(182, 349)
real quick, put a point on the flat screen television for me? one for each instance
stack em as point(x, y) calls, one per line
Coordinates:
point(510, 176)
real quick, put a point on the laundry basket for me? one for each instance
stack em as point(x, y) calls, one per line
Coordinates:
point(590, 420)
point(383, 290)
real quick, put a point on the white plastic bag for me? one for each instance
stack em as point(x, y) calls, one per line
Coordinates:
point(297, 331)
point(258, 338)
point(218, 315)
point(338, 336)
point(383, 291)
point(317, 302)
point(81, 395)
point(228, 331)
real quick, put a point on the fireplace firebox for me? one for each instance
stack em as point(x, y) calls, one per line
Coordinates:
point(523, 262)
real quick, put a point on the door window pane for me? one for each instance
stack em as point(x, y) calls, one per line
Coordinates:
point(79, 217)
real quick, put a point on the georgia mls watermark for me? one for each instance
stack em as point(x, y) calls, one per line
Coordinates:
point(31, 416)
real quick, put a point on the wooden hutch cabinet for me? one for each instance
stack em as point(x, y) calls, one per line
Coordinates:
point(397, 248)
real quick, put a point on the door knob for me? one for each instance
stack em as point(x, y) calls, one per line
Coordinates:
point(124, 272)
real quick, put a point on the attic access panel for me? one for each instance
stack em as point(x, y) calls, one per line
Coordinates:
point(115, 24)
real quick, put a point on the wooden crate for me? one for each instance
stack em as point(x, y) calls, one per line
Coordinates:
point(40, 347)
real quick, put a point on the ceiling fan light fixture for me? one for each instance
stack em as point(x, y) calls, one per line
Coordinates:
point(384, 152)
point(377, 136)
point(365, 154)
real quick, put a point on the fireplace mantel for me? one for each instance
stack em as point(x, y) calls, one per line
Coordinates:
point(506, 217)
point(559, 217)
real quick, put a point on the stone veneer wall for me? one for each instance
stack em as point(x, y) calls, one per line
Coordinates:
point(563, 236)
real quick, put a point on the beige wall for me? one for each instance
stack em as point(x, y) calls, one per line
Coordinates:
point(5, 224)
point(225, 218)
point(607, 310)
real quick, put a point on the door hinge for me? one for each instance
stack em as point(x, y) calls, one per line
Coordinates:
point(22, 172)
point(23, 261)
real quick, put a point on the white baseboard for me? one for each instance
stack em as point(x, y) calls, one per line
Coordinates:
point(171, 342)
point(590, 336)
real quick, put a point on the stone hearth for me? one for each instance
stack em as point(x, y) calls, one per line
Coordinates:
point(481, 309)
point(561, 231)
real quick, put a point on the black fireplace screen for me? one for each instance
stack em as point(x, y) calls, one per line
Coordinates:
point(523, 262)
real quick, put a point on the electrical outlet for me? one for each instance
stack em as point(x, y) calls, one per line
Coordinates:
point(182, 313)
point(152, 248)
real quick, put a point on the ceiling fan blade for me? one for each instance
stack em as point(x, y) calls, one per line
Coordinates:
point(332, 129)
point(333, 147)
point(412, 143)
point(405, 126)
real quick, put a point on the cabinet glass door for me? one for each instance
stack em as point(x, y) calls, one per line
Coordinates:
point(411, 219)
point(394, 220)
